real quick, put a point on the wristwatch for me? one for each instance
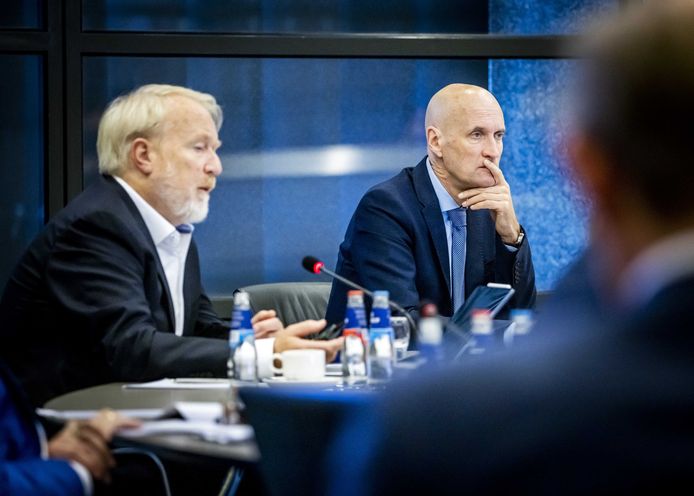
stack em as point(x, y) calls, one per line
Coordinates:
point(519, 239)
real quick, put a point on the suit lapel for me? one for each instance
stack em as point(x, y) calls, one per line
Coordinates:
point(143, 231)
point(431, 211)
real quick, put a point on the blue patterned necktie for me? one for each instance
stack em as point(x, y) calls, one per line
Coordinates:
point(458, 217)
point(184, 228)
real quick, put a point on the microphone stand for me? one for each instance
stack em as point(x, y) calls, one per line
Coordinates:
point(391, 303)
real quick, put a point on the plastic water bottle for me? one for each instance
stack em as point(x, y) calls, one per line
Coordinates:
point(355, 314)
point(381, 356)
point(482, 332)
point(246, 358)
point(430, 338)
point(353, 357)
point(521, 323)
point(243, 360)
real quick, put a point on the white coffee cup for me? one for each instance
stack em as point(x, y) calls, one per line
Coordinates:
point(300, 365)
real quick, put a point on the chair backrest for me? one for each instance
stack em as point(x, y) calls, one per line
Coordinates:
point(293, 301)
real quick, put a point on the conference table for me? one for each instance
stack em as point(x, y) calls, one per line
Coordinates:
point(178, 446)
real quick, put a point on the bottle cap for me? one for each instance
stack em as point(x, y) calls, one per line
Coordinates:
point(355, 292)
point(242, 298)
point(429, 310)
point(481, 313)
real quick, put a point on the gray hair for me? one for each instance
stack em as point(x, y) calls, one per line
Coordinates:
point(139, 114)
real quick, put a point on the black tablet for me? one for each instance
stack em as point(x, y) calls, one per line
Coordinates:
point(491, 297)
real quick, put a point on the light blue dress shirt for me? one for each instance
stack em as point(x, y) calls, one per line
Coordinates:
point(446, 203)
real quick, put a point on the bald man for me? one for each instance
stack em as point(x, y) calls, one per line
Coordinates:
point(446, 226)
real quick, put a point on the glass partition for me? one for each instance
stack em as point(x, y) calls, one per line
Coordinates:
point(22, 156)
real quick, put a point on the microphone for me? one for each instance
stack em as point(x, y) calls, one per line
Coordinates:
point(312, 264)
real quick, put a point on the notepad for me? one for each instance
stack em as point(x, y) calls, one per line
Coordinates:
point(181, 383)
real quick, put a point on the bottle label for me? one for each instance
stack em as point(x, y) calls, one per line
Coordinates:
point(380, 317)
point(241, 319)
point(355, 318)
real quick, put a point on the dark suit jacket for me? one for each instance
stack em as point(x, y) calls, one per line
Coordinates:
point(608, 412)
point(88, 303)
point(22, 470)
point(396, 240)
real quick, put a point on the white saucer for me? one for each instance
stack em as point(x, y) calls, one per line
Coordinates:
point(282, 382)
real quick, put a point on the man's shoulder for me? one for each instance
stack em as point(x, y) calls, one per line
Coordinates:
point(399, 188)
point(103, 203)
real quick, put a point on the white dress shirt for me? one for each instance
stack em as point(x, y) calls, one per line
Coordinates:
point(658, 266)
point(172, 248)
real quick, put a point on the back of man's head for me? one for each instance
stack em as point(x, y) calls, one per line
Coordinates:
point(140, 113)
point(637, 102)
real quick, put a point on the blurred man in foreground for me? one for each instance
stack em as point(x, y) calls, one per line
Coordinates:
point(609, 411)
point(110, 290)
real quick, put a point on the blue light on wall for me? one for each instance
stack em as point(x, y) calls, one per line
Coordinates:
point(547, 201)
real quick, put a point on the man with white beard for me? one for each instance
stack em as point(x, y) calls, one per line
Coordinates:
point(110, 290)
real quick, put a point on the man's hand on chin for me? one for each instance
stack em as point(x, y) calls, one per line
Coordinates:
point(497, 199)
point(292, 337)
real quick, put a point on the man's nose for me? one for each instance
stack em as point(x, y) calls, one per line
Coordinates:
point(214, 165)
point(492, 148)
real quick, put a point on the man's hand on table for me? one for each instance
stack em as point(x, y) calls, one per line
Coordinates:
point(266, 324)
point(86, 442)
point(291, 337)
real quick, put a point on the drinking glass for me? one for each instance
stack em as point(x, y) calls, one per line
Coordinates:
point(401, 335)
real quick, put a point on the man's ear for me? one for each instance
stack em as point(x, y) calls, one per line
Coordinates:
point(141, 155)
point(591, 166)
point(434, 140)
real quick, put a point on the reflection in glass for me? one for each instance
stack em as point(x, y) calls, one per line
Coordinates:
point(21, 14)
point(22, 156)
point(303, 140)
point(287, 16)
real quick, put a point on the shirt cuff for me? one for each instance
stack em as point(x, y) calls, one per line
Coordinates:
point(85, 477)
point(265, 348)
point(511, 248)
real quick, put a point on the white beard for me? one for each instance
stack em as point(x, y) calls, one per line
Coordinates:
point(189, 210)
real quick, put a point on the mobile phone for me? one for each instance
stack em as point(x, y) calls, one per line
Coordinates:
point(330, 331)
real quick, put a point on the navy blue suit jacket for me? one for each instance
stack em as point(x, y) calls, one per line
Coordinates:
point(22, 470)
point(606, 412)
point(88, 303)
point(396, 241)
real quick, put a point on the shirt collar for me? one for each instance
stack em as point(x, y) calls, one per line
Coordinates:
point(159, 228)
point(446, 201)
point(657, 267)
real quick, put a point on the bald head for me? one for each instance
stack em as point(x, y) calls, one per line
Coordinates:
point(464, 127)
point(446, 106)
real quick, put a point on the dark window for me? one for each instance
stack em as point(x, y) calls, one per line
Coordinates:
point(22, 152)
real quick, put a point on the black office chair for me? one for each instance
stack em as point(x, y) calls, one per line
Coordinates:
point(293, 301)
